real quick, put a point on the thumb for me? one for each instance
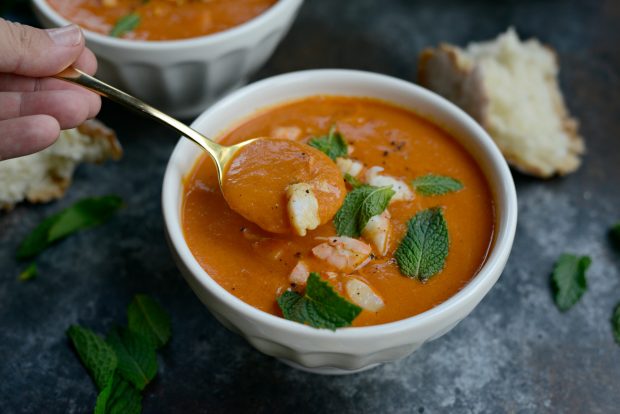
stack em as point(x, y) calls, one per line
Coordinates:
point(28, 51)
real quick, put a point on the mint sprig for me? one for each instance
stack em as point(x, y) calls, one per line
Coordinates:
point(332, 144)
point(147, 318)
point(431, 185)
point(86, 213)
point(125, 24)
point(352, 181)
point(136, 356)
point(125, 362)
point(359, 206)
point(29, 273)
point(568, 280)
point(319, 307)
point(422, 252)
point(96, 355)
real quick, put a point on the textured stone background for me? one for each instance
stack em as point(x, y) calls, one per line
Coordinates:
point(515, 353)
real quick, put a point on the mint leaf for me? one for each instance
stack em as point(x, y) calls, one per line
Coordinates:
point(352, 181)
point(568, 280)
point(137, 362)
point(28, 273)
point(125, 24)
point(97, 356)
point(615, 323)
point(320, 307)
point(148, 319)
point(422, 252)
point(614, 235)
point(332, 144)
point(83, 214)
point(359, 206)
point(431, 184)
point(119, 397)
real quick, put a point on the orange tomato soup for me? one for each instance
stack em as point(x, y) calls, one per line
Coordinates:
point(161, 19)
point(254, 265)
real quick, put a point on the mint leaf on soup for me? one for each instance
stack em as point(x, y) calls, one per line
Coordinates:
point(615, 323)
point(332, 144)
point(359, 206)
point(431, 184)
point(319, 307)
point(96, 355)
point(352, 181)
point(28, 273)
point(125, 24)
point(422, 252)
point(147, 318)
point(86, 213)
point(119, 397)
point(137, 362)
point(568, 280)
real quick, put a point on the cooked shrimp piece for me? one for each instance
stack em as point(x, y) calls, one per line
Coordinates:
point(299, 274)
point(303, 208)
point(363, 295)
point(349, 166)
point(344, 253)
point(286, 132)
point(400, 187)
point(377, 232)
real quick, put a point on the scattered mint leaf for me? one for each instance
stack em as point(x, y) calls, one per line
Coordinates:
point(614, 235)
point(119, 397)
point(422, 252)
point(615, 323)
point(147, 318)
point(319, 307)
point(137, 362)
point(83, 214)
point(431, 184)
point(28, 273)
point(359, 206)
point(568, 280)
point(352, 181)
point(97, 356)
point(125, 24)
point(332, 144)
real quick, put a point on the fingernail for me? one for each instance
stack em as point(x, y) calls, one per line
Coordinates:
point(66, 36)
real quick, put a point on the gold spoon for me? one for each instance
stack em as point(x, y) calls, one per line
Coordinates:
point(220, 154)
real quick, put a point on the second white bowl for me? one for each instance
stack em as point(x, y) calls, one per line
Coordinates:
point(182, 77)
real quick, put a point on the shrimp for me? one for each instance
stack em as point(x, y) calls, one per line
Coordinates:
point(303, 208)
point(344, 253)
point(363, 295)
point(349, 166)
point(299, 274)
point(377, 231)
point(402, 191)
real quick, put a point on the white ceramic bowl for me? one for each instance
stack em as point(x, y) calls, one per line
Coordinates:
point(182, 77)
point(350, 349)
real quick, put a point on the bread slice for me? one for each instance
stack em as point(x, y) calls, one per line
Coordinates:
point(510, 87)
point(46, 175)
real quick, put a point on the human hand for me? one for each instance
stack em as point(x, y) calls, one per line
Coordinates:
point(33, 107)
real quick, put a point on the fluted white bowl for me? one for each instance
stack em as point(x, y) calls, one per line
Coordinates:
point(353, 349)
point(182, 77)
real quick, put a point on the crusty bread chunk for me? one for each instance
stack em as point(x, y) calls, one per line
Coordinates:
point(510, 87)
point(46, 175)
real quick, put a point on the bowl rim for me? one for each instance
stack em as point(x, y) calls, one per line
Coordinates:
point(492, 267)
point(205, 40)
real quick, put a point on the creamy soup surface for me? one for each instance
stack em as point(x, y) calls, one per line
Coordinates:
point(256, 265)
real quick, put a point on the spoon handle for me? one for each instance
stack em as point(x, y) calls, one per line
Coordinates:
point(78, 77)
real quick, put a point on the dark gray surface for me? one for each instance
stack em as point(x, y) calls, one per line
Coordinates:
point(514, 353)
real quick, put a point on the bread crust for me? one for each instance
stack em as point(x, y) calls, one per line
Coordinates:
point(448, 71)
